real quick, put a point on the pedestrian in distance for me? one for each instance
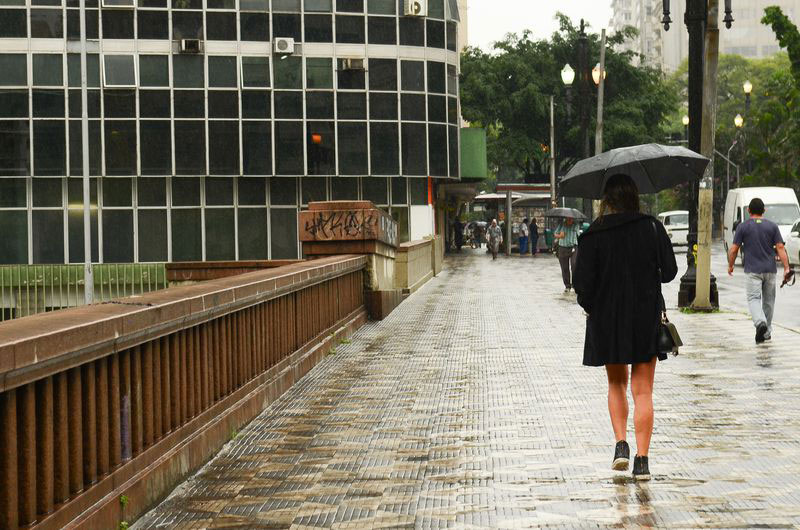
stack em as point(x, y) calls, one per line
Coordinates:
point(494, 238)
point(623, 258)
point(458, 236)
point(534, 235)
point(566, 238)
point(761, 239)
point(523, 237)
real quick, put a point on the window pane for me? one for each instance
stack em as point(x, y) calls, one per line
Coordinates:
point(93, 99)
point(382, 30)
point(382, 106)
point(221, 4)
point(185, 191)
point(437, 108)
point(47, 70)
point(344, 189)
point(47, 193)
point(222, 72)
point(288, 105)
point(314, 189)
point(48, 103)
point(220, 240)
point(352, 105)
point(252, 191)
point(219, 191)
point(14, 246)
point(189, 103)
point(117, 192)
point(187, 71)
point(254, 5)
point(349, 29)
point(49, 148)
point(289, 142)
point(415, 156)
point(412, 107)
point(154, 103)
point(412, 31)
point(435, 30)
point(322, 6)
point(350, 6)
point(223, 104)
point(286, 5)
point(47, 227)
point(117, 23)
point(374, 189)
point(255, 104)
point(119, 103)
point(154, 70)
point(283, 191)
point(319, 105)
point(156, 148)
point(15, 69)
point(452, 110)
point(283, 232)
point(400, 216)
point(153, 25)
point(399, 192)
point(436, 78)
point(152, 235)
point(221, 26)
point(413, 75)
point(223, 141)
point(254, 26)
point(353, 149)
point(382, 74)
point(13, 23)
point(286, 26)
point(256, 149)
point(47, 24)
point(120, 149)
point(452, 139)
point(418, 191)
point(76, 150)
point(381, 7)
point(319, 28)
point(255, 72)
point(351, 79)
point(13, 193)
point(75, 235)
point(321, 146)
point(319, 72)
point(452, 36)
point(151, 191)
point(92, 69)
point(186, 237)
point(288, 72)
point(436, 8)
point(384, 149)
point(187, 25)
point(190, 148)
point(437, 144)
point(252, 233)
point(117, 236)
point(14, 148)
point(92, 26)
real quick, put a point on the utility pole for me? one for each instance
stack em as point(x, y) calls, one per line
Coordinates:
point(552, 155)
point(598, 135)
point(583, 90)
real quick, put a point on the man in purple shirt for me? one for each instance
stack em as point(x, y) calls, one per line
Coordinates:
point(760, 239)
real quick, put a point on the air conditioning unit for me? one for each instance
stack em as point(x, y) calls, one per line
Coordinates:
point(283, 45)
point(415, 8)
point(190, 46)
point(352, 64)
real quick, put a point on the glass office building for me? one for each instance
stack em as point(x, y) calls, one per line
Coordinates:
point(209, 128)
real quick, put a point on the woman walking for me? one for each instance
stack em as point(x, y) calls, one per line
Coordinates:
point(623, 259)
point(494, 238)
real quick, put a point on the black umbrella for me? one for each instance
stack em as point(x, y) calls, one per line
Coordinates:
point(566, 213)
point(652, 167)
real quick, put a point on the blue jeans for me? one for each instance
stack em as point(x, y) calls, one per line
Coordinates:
point(523, 244)
point(761, 297)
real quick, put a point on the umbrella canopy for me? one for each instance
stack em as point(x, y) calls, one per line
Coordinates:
point(566, 213)
point(652, 167)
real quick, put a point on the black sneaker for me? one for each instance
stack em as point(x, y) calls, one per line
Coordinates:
point(622, 455)
point(761, 332)
point(641, 469)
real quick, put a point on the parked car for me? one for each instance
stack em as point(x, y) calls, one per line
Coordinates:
point(793, 244)
point(676, 223)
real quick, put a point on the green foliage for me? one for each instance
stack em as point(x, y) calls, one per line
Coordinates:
point(123, 501)
point(508, 92)
point(788, 36)
point(123, 525)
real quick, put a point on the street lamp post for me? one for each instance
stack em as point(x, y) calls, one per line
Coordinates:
point(583, 87)
point(738, 121)
point(568, 77)
point(685, 121)
point(748, 89)
point(696, 19)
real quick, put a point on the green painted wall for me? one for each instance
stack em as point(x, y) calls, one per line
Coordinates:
point(473, 153)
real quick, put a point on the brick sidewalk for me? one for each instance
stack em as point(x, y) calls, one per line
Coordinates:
point(468, 407)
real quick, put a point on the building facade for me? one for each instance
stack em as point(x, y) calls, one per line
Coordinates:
point(212, 122)
point(645, 16)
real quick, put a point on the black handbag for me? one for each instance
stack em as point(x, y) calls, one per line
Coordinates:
point(668, 339)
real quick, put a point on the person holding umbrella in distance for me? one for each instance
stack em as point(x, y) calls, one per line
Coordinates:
point(623, 258)
point(566, 236)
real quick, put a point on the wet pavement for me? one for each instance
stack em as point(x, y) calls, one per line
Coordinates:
point(469, 408)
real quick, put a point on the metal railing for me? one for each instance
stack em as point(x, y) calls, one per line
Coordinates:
point(104, 403)
point(31, 289)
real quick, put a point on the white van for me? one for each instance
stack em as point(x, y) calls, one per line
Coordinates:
point(781, 207)
point(676, 223)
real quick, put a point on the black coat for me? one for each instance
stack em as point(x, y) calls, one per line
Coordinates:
point(617, 282)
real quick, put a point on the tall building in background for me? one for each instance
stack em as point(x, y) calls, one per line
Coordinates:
point(212, 122)
point(463, 28)
point(645, 16)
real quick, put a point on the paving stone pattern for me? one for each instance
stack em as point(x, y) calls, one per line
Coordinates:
point(469, 408)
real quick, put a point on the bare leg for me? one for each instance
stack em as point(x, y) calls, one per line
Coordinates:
point(618, 399)
point(642, 375)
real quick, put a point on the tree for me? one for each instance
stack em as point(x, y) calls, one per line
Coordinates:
point(508, 92)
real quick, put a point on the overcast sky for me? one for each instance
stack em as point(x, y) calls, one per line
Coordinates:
point(490, 20)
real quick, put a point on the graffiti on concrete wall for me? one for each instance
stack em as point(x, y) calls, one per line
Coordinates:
point(351, 225)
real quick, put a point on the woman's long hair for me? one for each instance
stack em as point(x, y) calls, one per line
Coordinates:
point(620, 196)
